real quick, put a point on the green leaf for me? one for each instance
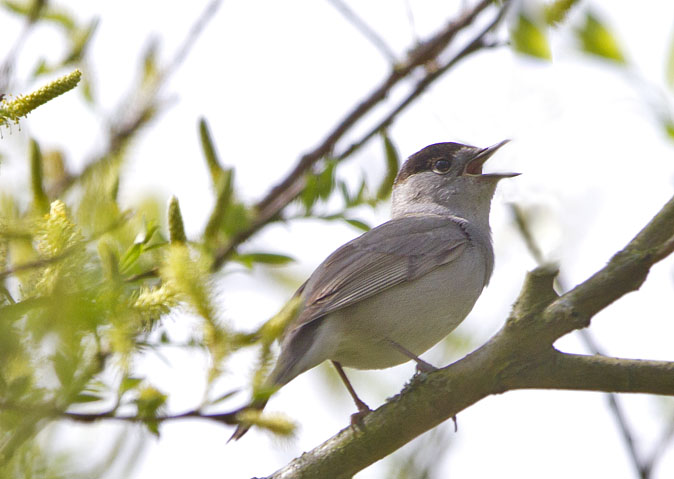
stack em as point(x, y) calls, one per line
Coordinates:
point(557, 11)
point(309, 194)
point(64, 367)
point(152, 426)
point(529, 38)
point(344, 189)
point(41, 68)
point(127, 384)
point(249, 259)
point(318, 186)
point(19, 386)
point(358, 198)
point(149, 401)
point(223, 209)
point(668, 125)
point(131, 256)
point(392, 165)
point(669, 72)
point(596, 39)
point(87, 90)
point(175, 221)
point(40, 200)
point(60, 17)
point(20, 8)
point(150, 67)
point(358, 224)
point(86, 397)
point(223, 397)
point(212, 161)
point(79, 42)
point(150, 229)
point(326, 180)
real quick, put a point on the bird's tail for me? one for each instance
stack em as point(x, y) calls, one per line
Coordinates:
point(288, 366)
point(242, 429)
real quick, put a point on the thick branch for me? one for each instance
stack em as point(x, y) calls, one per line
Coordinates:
point(625, 272)
point(598, 373)
point(494, 368)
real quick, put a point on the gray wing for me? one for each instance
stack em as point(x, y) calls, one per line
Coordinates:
point(399, 250)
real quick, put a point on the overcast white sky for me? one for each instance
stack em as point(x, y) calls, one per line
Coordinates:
point(272, 78)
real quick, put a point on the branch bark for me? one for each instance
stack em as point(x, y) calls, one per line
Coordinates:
point(520, 356)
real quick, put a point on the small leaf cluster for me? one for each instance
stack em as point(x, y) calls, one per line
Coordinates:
point(529, 31)
point(532, 23)
point(320, 185)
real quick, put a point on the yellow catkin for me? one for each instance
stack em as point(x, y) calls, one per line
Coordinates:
point(24, 104)
point(275, 423)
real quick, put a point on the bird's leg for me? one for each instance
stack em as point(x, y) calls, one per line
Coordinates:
point(363, 409)
point(422, 366)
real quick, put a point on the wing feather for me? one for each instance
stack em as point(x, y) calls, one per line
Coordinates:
point(399, 250)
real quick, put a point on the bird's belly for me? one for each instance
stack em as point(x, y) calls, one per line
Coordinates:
point(416, 315)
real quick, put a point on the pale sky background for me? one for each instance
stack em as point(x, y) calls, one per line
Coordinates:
point(272, 78)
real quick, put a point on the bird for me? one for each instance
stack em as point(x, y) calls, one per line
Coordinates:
point(389, 295)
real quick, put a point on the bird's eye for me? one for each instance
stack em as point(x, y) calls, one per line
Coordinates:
point(441, 166)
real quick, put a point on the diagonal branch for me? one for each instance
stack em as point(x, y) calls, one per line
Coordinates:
point(598, 373)
point(360, 25)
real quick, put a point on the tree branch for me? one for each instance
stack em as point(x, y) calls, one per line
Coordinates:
point(597, 373)
point(364, 29)
point(223, 418)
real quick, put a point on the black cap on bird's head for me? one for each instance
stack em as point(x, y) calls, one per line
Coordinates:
point(451, 159)
point(447, 179)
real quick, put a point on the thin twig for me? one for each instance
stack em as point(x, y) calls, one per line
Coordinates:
point(122, 129)
point(476, 44)
point(7, 65)
point(223, 418)
point(658, 450)
point(364, 29)
point(50, 410)
point(194, 33)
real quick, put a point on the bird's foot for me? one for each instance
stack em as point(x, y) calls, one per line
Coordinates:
point(423, 367)
point(357, 418)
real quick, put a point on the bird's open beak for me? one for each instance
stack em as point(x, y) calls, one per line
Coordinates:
point(474, 166)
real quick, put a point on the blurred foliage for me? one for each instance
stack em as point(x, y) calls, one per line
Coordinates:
point(595, 38)
point(556, 12)
point(86, 285)
point(528, 37)
point(669, 72)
